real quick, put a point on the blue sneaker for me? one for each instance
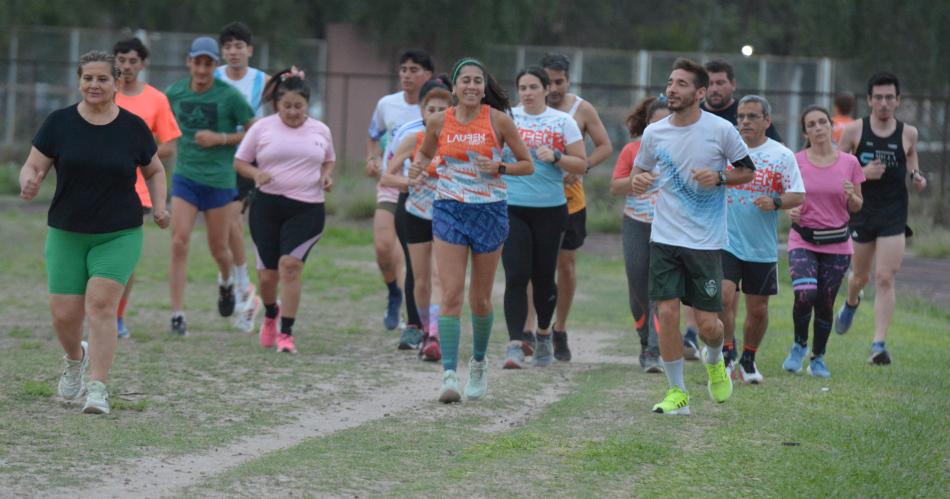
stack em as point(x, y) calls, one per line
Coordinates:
point(846, 316)
point(691, 344)
point(796, 357)
point(818, 368)
point(391, 319)
point(123, 332)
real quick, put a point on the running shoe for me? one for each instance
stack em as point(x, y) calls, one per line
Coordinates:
point(285, 343)
point(528, 342)
point(514, 357)
point(719, 383)
point(247, 311)
point(477, 379)
point(796, 357)
point(268, 333)
point(818, 368)
point(729, 357)
point(70, 382)
point(391, 319)
point(226, 299)
point(561, 351)
point(650, 361)
point(179, 326)
point(846, 315)
point(410, 338)
point(450, 388)
point(97, 400)
point(879, 358)
point(749, 374)
point(120, 324)
point(543, 350)
point(430, 350)
point(676, 402)
point(691, 345)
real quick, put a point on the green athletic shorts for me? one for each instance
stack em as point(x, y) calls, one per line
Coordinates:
point(694, 276)
point(72, 258)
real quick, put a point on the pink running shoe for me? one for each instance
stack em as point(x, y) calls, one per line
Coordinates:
point(431, 351)
point(268, 333)
point(285, 343)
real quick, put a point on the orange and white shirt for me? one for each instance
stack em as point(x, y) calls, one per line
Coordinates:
point(459, 145)
point(419, 202)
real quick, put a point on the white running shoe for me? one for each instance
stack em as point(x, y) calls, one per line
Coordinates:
point(754, 377)
point(248, 311)
point(97, 400)
point(477, 379)
point(71, 384)
point(450, 388)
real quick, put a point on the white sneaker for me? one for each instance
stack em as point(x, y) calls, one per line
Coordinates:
point(477, 379)
point(97, 399)
point(754, 377)
point(450, 388)
point(247, 313)
point(70, 383)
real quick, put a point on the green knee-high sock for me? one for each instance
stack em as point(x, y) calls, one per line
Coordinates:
point(450, 328)
point(481, 332)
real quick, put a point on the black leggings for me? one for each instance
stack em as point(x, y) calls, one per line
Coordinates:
point(530, 254)
point(412, 314)
point(816, 278)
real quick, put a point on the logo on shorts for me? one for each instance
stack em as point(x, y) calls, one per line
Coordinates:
point(854, 234)
point(712, 287)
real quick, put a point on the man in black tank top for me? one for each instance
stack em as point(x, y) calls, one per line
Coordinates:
point(887, 151)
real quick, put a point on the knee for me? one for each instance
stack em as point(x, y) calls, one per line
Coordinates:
point(289, 269)
point(707, 323)
point(64, 317)
point(267, 278)
point(758, 312)
point(100, 308)
point(805, 297)
point(884, 279)
point(180, 244)
point(480, 305)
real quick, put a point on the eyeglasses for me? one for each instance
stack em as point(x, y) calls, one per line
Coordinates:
point(887, 98)
point(750, 117)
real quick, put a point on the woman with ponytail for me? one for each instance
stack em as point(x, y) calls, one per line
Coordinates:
point(294, 165)
point(470, 213)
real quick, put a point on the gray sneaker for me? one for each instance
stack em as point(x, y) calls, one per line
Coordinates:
point(543, 350)
point(514, 357)
point(650, 361)
point(411, 338)
point(477, 379)
point(97, 400)
point(449, 392)
point(70, 383)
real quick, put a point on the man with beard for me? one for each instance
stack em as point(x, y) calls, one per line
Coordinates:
point(720, 101)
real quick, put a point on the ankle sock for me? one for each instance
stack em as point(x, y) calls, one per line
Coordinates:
point(270, 311)
point(877, 346)
point(287, 325)
point(393, 288)
point(713, 353)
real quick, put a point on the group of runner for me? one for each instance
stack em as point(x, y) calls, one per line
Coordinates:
point(464, 177)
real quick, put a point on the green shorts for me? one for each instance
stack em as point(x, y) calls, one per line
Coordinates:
point(72, 258)
point(693, 276)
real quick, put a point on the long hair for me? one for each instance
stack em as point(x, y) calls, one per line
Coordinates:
point(495, 96)
point(283, 82)
point(639, 118)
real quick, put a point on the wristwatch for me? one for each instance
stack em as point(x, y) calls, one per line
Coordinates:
point(502, 169)
point(722, 178)
point(557, 156)
point(777, 201)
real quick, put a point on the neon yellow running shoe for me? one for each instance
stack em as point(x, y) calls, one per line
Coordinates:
point(676, 402)
point(719, 384)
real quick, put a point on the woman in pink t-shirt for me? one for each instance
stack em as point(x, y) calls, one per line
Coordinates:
point(819, 243)
point(295, 160)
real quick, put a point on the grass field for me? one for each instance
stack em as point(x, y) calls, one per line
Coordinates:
point(214, 415)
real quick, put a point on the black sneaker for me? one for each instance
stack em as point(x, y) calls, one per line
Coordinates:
point(881, 358)
point(691, 345)
point(561, 350)
point(179, 326)
point(528, 343)
point(226, 300)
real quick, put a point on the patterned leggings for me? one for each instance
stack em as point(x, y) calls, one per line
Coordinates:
point(816, 278)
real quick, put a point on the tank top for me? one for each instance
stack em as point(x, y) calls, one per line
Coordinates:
point(459, 145)
point(419, 202)
point(889, 193)
point(576, 201)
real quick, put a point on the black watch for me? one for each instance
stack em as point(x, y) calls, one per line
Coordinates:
point(557, 156)
point(722, 178)
point(777, 201)
point(502, 169)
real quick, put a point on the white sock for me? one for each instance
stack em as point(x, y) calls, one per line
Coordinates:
point(674, 373)
point(222, 282)
point(713, 352)
point(240, 276)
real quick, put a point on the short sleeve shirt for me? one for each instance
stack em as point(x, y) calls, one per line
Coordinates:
point(545, 187)
point(95, 170)
point(221, 109)
point(390, 113)
point(639, 208)
point(825, 204)
point(688, 215)
point(293, 156)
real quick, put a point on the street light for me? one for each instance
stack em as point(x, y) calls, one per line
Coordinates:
point(747, 50)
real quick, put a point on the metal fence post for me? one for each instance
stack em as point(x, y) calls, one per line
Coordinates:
point(10, 121)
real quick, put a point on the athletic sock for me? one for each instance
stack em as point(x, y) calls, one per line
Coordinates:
point(481, 333)
point(451, 329)
point(423, 318)
point(270, 311)
point(178, 313)
point(120, 312)
point(241, 279)
point(713, 353)
point(222, 282)
point(287, 325)
point(877, 346)
point(674, 373)
point(692, 331)
point(749, 353)
point(393, 288)
point(434, 321)
point(728, 345)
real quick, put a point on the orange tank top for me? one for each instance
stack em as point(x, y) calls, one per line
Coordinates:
point(459, 145)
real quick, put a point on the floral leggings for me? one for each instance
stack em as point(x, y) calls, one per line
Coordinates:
point(816, 278)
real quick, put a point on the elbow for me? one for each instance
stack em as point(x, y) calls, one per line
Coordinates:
point(797, 199)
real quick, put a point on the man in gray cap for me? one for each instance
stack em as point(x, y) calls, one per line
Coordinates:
point(209, 113)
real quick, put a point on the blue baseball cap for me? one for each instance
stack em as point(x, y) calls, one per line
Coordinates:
point(205, 45)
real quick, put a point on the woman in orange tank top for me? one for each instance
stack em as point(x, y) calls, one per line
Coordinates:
point(469, 212)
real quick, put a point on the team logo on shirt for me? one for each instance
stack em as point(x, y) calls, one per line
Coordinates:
point(711, 287)
point(198, 116)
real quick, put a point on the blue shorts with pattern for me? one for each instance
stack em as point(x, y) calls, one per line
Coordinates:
point(481, 226)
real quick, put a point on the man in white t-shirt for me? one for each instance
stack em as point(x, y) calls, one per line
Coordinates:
point(392, 111)
point(751, 253)
point(687, 153)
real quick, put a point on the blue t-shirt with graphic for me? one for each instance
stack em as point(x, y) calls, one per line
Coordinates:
point(545, 187)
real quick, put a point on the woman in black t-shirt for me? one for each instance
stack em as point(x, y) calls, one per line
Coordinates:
point(95, 219)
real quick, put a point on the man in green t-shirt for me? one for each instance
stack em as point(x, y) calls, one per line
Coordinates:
point(209, 113)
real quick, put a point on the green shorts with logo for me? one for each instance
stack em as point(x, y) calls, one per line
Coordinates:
point(694, 276)
point(72, 258)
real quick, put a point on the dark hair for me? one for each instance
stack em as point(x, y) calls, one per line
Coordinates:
point(536, 72)
point(281, 83)
point(810, 109)
point(420, 57)
point(883, 78)
point(98, 56)
point(721, 66)
point(557, 62)
point(639, 117)
point(433, 84)
point(128, 45)
point(495, 96)
point(700, 75)
point(235, 31)
point(844, 103)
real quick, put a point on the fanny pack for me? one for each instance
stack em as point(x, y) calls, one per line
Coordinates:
point(822, 236)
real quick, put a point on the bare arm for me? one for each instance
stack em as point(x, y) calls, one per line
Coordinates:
point(393, 176)
point(154, 174)
point(850, 137)
point(372, 158)
point(913, 160)
point(620, 186)
point(430, 144)
point(510, 136)
point(574, 159)
point(789, 201)
point(598, 134)
point(326, 175)
point(34, 170)
point(167, 149)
